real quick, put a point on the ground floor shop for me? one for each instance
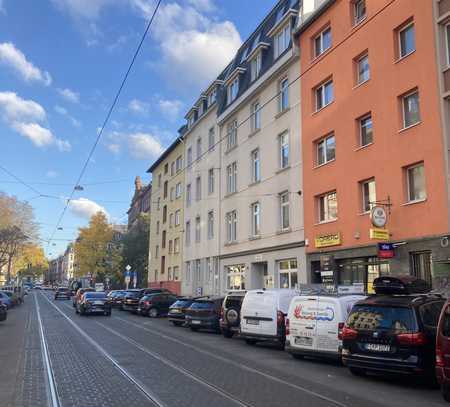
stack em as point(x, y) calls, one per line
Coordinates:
point(427, 258)
point(201, 277)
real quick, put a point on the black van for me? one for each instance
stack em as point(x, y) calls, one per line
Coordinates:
point(395, 331)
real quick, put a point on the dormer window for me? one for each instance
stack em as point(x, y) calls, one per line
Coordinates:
point(255, 66)
point(233, 89)
point(212, 97)
point(282, 40)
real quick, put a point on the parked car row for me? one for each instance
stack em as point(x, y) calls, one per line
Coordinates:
point(10, 297)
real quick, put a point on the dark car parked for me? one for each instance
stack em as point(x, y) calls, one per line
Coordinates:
point(230, 314)
point(3, 311)
point(131, 300)
point(79, 294)
point(62, 292)
point(116, 298)
point(177, 311)
point(443, 352)
point(393, 333)
point(154, 305)
point(94, 303)
point(204, 314)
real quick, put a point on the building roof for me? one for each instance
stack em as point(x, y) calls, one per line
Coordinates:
point(313, 17)
point(163, 156)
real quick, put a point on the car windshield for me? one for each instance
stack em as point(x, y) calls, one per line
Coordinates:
point(181, 304)
point(202, 305)
point(374, 317)
point(233, 302)
point(95, 295)
point(133, 294)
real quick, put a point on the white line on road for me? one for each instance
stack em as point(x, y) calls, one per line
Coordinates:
point(147, 392)
point(53, 399)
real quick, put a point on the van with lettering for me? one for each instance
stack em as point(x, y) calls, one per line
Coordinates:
point(314, 324)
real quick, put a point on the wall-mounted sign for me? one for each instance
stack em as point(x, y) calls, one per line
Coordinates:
point(378, 216)
point(331, 239)
point(386, 250)
point(379, 234)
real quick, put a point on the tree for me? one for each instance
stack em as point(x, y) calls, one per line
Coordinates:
point(96, 252)
point(135, 248)
point(30, 261)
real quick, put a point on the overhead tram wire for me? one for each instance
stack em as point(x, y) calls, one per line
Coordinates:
point(20, 181)
point(105, 122)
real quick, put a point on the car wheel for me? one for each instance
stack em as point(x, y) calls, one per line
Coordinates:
point(227, 333)
point(445, 390)
point(153, 313)
point(194, 328)
point(357, 372)
point(250, 341)
point(177, 323)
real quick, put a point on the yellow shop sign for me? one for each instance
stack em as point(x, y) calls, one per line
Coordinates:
point(379, 234)
point(331, 239)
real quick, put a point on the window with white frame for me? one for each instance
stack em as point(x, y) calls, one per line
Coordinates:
point(368, 194)
point(197, 229)
point(172, 193)
point(284, 94)
point(231, 134)
point(172, 168)
point(232, 178)
point(407, 40)
point(209, 268)
point(179, 164)
point(176, 273)
point(324, 95)
point(256, 116)
point(188, 233)
point(256, 166)
point(212, 97)
point(198, 270)
point(210, 224)
point(288, 273)
point(284, 211)
point(176, 245)
point(322, 42)
point(447, 38)
point(365, 130)
point(189, 156)
point(282, 40)
point(211, 139)
point(170, 246)
point(199, 148)
point(231, 220)
point(283, 147)
point(255, 209)
point(233, 90)
point(188, 271)
point(415, 180)
point(327, 205)
point(411, 109)
point(158, 204)
point(170, 220)
point(326, 149)
point(363, 69)
point(236, 277)
point(157, 227)
point(255, 66)
point(359, 11)
point(198, 188)
point(156, 251)
point(188, 195)
point(177, 217)
point(211, 181)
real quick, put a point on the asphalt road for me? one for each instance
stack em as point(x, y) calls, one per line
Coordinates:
point(49, 356)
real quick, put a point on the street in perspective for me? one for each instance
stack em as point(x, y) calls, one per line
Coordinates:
point(225, 203)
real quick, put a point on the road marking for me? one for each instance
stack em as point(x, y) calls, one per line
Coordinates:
point(167, 362)
point(147, 392)
point(239, 365)
point(54, 398)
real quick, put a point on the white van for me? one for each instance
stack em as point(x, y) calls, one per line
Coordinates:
point(263, 315)
point(314, 323)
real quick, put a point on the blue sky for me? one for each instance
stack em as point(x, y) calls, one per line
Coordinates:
point(61, 62)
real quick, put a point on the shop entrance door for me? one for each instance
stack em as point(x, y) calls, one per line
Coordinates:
point(421, 265)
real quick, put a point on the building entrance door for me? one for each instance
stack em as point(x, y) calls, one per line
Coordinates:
point(421, 265)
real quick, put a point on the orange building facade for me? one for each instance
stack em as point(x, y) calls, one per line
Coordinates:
point(375, 139)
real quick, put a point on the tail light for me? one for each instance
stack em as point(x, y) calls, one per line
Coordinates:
point(348, 333)
point(287, 327)
point(416, 339)
point(340, 329)
point(439, 355)
point(221, 313)
point(147, 302)
point(280, 318)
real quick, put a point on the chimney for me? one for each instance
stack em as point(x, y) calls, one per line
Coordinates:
point(138, 183)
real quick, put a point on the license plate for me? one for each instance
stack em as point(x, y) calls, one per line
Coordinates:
point(175, 311)
point(252, 322)
point(196, 322)
point(376, 347)
point(98, 303)
point(302, 340)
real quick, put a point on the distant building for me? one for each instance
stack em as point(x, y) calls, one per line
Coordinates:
point(140, 203)
point(69, 263)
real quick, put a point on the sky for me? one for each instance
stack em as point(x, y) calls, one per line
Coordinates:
point(61, 63)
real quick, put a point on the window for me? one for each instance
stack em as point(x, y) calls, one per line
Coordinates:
point(447, 37)
point(197, 229)
point(326, 150)
point(211, 139)
point(209, 268)
point(407, 40)
point(157, 227)
point(170, 246)
point(178, 190)
point(255, 66)
point(421, 265)
point(256, 219)
point(158, 204)
point(231, 220)
point(179, 164)
point(284, 211)
point(176, 245)
point(188, 233)
point(164, 214)
point(328, 207)
point(368, 193)
point(172, 169)
point(288, 273)
point(199, 148)
point(256, 166)
point(212, 97)
point(283, 141)
point(231, 134)
point(232, 178)
point(166, 189)
point(188, 195)
point(211, 181)
point(359, 11)
point(322, 42)
point(159, 180)
point(166, 168)
point(236, 277)
point(411, 110)
point(198, 188)
point(363, 69)
point(256, 116)
point(233, 90)
point(176, 273)
point(365, 130)
point(163, 239)
point(188, 271)
point(198, 270)
point(169, 277)
point(170, 220)
point(210, 224)
point(156, 251)
point(172, 193)
point(416, 183)
point(284, 94)
point(324, 95)
point(282, 40)
point(177, 218)
point(189, 156)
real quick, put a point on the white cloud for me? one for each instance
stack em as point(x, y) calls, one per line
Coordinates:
point(69, 95)
point(89, 9)
point(144, 146)
point(40, 136)
point(15, 59)
point(170, 108)
point(138, 106)
point(51, 174)
point(115, 148)
point(206, 6)
point(63, 112)
point(16, 108)
point(85, 208)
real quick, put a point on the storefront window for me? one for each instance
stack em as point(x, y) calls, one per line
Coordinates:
point(236, 277)
point(288, 273)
